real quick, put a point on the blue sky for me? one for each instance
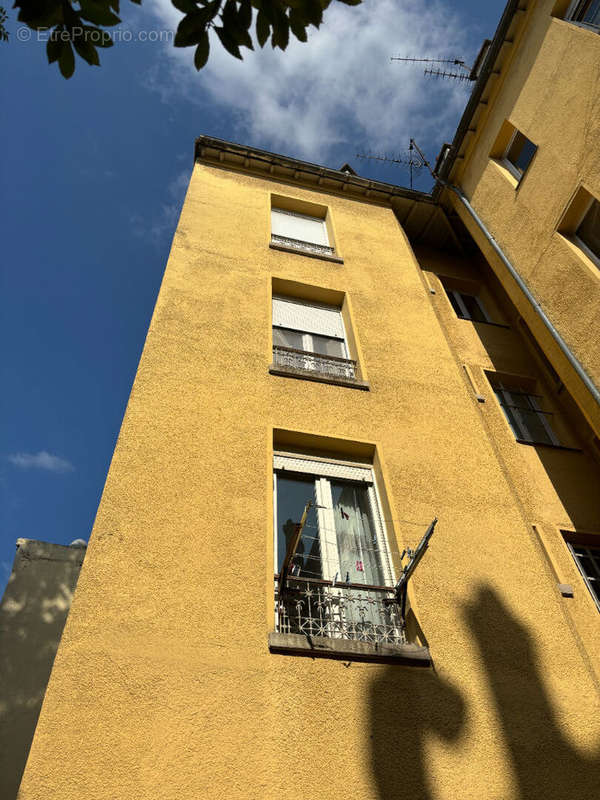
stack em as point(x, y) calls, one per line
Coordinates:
point(94, 170)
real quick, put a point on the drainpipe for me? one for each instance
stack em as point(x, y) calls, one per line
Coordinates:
point(586, 380)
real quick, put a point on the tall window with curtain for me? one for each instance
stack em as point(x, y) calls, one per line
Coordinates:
point(340, 577)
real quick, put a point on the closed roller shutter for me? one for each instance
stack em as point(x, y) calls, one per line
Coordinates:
point(300, 316)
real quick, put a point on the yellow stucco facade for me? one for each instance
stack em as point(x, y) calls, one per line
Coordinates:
point(164, 685)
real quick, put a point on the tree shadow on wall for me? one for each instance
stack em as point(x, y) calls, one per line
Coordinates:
point(544, 762)
point(410, 706)
point(407, 706)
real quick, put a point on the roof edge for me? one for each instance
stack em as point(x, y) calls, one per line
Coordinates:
point(253, 159)
point(447, 156)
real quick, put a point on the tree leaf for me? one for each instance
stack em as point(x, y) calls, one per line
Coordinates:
point(66, 60)
point(191, 29)
point(86, 50)
point(53, 48)
point(281, 32)
point(245, 14)
point(98, 37)
point(298, 25)
point(228, 42)
point(263, 28)
point(201, 54)
point(98, 12)
point(185, 6)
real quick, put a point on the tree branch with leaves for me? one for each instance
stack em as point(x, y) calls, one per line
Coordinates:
point(83, 26)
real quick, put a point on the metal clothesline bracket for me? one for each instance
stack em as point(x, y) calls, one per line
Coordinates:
point(414, 557)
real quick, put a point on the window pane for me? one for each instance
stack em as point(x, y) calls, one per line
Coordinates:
point(292, 497)
point(521, 152)
point(328, 347)
point(589, 230)
point(299, 226)
point(473, 307)
point(509, 414)
point(455, 305)
point(588, 12)
point(358, 547)
point(536, 429)
point(286, 338)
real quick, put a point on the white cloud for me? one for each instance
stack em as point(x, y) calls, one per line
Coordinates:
point(41, 460)
point(340, 88)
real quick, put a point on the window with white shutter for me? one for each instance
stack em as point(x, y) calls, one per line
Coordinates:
point(300, 232)
point(310, 337)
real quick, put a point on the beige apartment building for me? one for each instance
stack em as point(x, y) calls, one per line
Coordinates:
point(349, 542)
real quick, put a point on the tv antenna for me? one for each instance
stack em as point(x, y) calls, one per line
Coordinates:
point(413, 160)
point(442, 73)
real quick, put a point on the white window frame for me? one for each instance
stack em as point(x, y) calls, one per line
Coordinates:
point(457, 294)
point(580, 243)
point(324, 471)
point(520, 422)
point(570, 17)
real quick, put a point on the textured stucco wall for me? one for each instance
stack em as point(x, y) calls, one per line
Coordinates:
point(550, 91)
point(164, 686)
point(33, 611)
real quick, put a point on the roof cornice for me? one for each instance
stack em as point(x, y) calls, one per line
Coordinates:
point(252, 160)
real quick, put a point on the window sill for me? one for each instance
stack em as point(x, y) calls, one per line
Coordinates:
point(298, 252)
point(552, 446)
point(318, 377)
point(297, 644)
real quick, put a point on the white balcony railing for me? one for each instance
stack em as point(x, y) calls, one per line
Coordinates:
point(344, 611)
point(305, 247)
point(289, 357)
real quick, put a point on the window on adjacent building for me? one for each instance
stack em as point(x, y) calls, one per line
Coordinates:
point(310, 337)
point(586, 12)
point(467, 306)
point(587, 558)
point(518, 154)
point(525, 416)
point(300, 232)
point(338, 580)
point(588, 231)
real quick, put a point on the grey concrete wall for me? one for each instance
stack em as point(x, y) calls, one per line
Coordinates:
point(33, 612)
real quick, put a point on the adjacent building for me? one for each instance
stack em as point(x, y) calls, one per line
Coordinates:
point(338, 372)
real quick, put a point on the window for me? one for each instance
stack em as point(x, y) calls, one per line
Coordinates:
point(310, 337)
point(588, 231)
point(587, 558)
point(586, 12)
point(339, 581)
point(467, 306)
point(524, 415)
point(518, 154)
point(300, 232)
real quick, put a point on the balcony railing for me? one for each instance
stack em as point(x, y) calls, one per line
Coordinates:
point(305, 247)
point(315, 607)
point(314, 362)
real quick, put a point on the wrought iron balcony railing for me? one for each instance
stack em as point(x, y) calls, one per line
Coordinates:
point(314, 362)
point(350, 611)
point(306, 247)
